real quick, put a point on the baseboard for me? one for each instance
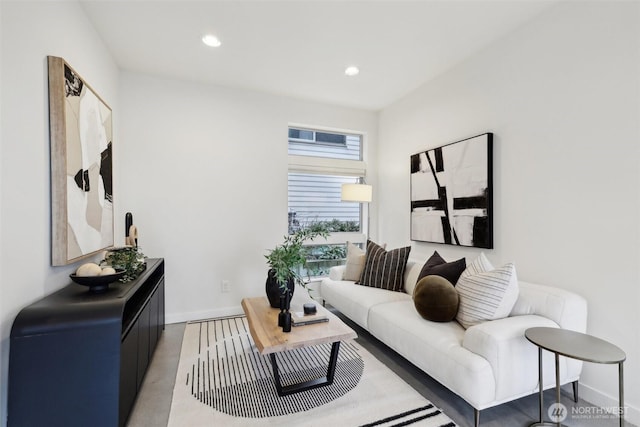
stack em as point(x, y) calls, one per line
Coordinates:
point(205, 314)
point(598, 398)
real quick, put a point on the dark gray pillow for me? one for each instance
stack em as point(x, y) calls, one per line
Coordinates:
point(384, 269)
point(436, 299)
point(437, 266)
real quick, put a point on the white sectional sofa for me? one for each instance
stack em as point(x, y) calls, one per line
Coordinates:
point(486, 364)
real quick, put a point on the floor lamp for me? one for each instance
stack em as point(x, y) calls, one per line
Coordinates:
point(361, 193)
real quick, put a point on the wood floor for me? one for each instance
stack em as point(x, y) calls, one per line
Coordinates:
point(154, 401)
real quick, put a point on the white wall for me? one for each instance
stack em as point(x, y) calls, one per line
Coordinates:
point(561, 95)
point(29, 32)
point(203, 169)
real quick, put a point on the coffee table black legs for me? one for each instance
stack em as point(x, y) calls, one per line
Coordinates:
point(307, 385)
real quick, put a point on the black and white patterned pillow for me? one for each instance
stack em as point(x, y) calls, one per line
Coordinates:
point(384, 269)
point(486, 293)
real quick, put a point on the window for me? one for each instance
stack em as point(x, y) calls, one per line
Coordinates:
point(320, 161)
point(316, 198)
point(310, 136)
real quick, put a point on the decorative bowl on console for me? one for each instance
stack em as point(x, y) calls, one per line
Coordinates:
point(97, 284)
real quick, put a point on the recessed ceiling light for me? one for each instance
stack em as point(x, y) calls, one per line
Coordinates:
point(211, 40)
point(352, 71)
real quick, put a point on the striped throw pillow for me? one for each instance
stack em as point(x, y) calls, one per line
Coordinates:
point(486, 293)
point(384, 269)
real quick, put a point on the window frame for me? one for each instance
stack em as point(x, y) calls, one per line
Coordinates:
point(309, 164)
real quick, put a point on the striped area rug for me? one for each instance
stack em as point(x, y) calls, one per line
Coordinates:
point(223, 380)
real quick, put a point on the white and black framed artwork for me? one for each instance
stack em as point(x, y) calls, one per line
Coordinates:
point(81, 134)
point(452, 193)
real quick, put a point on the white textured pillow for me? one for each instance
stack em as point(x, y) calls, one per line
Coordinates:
point(355, 262)
point(486, 293)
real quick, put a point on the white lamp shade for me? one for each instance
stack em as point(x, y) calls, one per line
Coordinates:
point(357, 193)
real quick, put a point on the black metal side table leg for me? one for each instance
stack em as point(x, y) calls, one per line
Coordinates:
point(621, 392)
point(306, 385)
point(541, 422)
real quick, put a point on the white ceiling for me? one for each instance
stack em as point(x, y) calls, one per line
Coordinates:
point(301, 48)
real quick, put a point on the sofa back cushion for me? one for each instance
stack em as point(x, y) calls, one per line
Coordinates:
point(411, 273)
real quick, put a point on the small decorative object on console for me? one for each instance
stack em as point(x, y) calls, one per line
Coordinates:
point(98, 283)
point(95, 277)
point(131, 231)
point(127, 258)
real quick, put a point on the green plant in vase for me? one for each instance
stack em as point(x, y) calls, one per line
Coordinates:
point(286, 259)
point(127, 258)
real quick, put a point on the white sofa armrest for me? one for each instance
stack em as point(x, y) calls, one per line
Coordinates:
point(511, 356)
point(337, 272)
point(567, 309)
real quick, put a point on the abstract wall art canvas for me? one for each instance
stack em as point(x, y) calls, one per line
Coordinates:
point(451, 193)
point(81, 166)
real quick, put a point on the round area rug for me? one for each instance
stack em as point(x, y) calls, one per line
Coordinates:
point(228, 373)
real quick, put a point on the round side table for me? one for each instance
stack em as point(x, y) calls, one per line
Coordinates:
point(575, 345)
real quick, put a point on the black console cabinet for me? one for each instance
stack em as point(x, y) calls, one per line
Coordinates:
point(78, 359)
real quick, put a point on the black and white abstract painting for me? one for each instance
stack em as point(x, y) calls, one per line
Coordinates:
point(451, 193)
point(81, 166)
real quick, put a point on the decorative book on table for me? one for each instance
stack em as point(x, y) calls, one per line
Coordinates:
point(298, 318)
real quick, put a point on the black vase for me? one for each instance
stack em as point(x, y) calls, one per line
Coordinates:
point(273, 289)
point(283, 310)
point(286, 322)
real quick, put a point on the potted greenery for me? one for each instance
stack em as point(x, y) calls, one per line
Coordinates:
point(284, 261)
point(127, 258)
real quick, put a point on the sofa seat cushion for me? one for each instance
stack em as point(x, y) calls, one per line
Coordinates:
point(436, 348)
point(354, 301)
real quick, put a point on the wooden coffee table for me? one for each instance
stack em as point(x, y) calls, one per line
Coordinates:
point(269, 338)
